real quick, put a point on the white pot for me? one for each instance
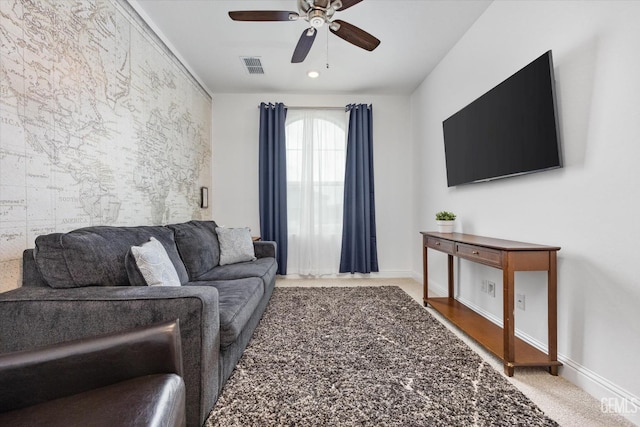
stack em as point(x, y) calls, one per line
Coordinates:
point(445, 226)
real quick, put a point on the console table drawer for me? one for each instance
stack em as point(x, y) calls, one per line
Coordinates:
point(480, 254)
point(441, 245)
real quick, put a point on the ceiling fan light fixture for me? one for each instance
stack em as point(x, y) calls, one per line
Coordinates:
point(317, 13)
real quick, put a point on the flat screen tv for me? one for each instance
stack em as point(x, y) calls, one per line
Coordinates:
point(510, 130)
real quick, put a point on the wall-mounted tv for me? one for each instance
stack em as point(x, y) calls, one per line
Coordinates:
point(510, 130)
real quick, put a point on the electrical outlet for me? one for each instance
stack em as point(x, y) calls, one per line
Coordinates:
point(520, 301)
point(491, 288)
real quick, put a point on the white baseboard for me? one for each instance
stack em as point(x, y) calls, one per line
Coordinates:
point(417, 277)
point(389, 274)
point(612, 397)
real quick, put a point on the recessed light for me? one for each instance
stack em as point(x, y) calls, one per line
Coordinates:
point(313, 74)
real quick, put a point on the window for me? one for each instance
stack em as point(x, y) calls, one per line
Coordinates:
point(316, 155)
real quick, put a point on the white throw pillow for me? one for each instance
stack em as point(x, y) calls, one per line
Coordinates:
point(154, 264)
point(236, 245)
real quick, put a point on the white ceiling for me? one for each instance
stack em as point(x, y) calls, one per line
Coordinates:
point(415, 35)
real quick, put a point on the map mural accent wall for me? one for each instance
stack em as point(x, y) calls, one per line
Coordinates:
point(100, 124)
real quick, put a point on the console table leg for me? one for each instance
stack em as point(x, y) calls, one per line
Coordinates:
point(508, 286)
point(552, 309)
point(508, 370)
point(450, 275)
point(425, 273)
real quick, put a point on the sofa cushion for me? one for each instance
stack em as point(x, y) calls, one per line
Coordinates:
point(264, 268)
point(154, 264)
point(95, 256)
point(197, 243)
point(236, 245)
point(237, 301)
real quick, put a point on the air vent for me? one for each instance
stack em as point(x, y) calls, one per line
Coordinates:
point(252, 64)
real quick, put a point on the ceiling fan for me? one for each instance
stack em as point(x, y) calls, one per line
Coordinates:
point(317, 13)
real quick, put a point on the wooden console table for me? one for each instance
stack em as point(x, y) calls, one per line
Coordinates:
point(509, 257)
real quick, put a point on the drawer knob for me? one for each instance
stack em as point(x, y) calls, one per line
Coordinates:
point(475, 252)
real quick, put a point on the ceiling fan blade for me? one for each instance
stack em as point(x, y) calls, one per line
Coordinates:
point(354, 35)
point(304, 45)
point(346, 4)
point(263, 15)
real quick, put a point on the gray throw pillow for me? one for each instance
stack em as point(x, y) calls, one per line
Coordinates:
point(236, 245)
point(154, 264)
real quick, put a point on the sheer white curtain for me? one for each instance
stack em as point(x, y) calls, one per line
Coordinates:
point(316, 155)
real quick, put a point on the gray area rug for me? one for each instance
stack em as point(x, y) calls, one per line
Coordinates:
point(363, 356)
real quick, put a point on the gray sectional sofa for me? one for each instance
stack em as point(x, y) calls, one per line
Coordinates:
point(85, 283)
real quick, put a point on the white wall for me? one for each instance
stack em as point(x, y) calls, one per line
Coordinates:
point(235, 166)
point(589, 208)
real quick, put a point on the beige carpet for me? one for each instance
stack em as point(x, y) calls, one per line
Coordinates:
point(558, 398)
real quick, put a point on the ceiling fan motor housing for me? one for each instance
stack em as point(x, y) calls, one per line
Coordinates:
point(316, 18)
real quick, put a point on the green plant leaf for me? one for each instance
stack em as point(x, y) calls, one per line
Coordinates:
point(445, 216)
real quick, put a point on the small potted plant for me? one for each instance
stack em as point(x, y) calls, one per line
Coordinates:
point(445, 221)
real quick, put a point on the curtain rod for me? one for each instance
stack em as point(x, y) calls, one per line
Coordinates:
point(313, 108)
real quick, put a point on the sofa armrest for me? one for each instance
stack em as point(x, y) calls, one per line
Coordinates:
point(264, 249)
point(31, 377)
point(32, 317)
